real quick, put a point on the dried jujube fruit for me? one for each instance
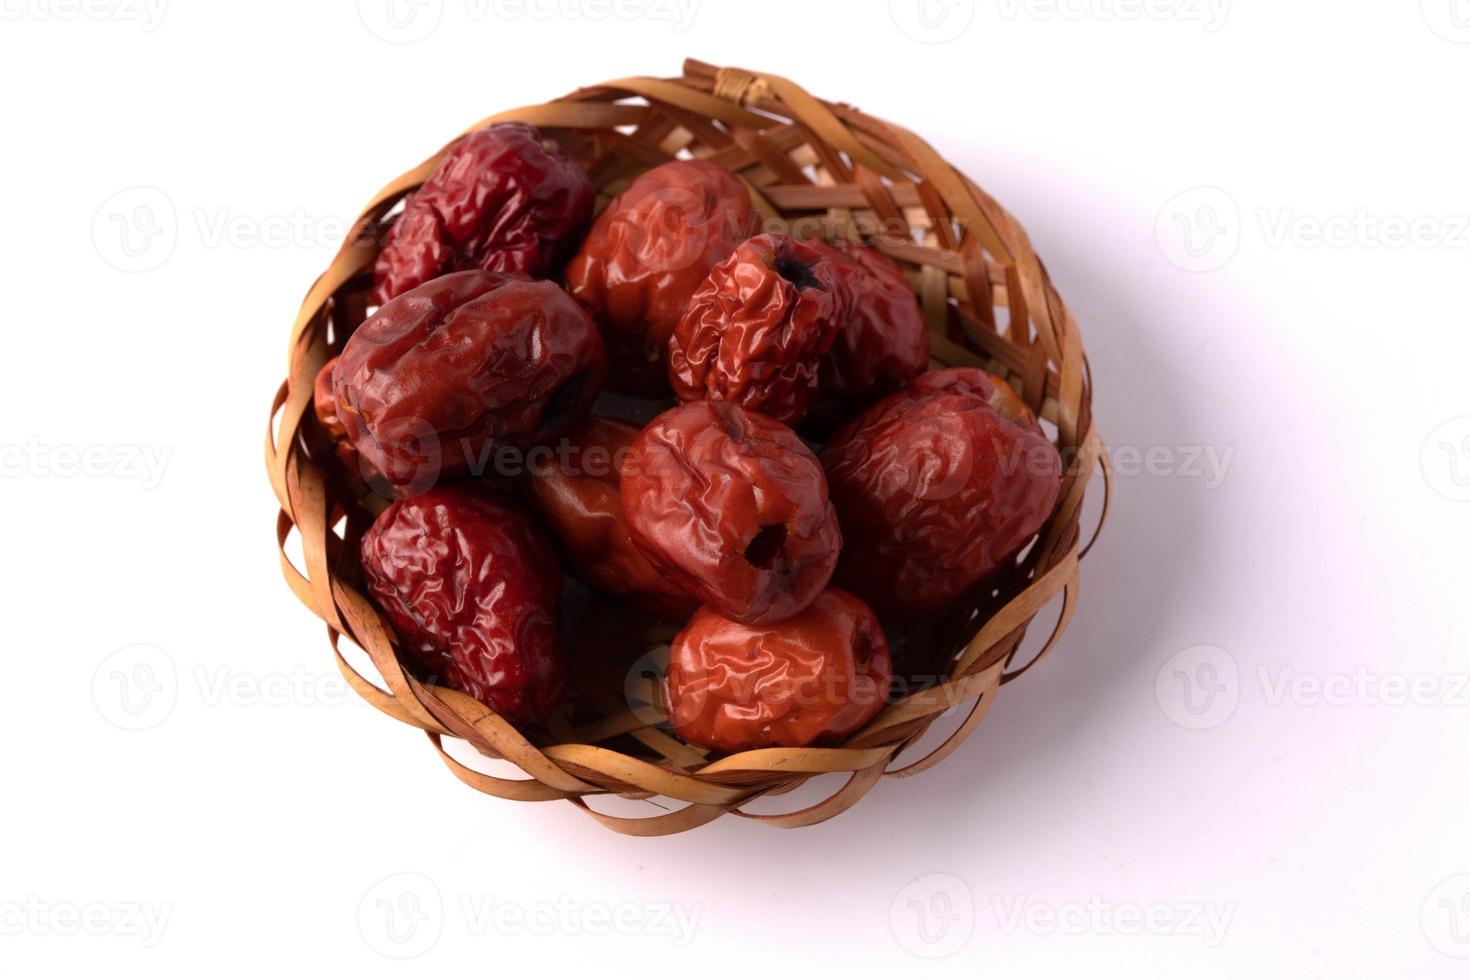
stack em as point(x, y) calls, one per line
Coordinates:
point(732, 507)
point(324, 403)
point(576, 495)
point(758, 327)
point(882, 343)
point(503, 199)
point(324, 406)
point(470, 585)
point(438, 380)
point(646, 254)
point(814, 678)
point(936, 486)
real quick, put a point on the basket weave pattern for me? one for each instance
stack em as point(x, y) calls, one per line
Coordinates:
point(823, 168)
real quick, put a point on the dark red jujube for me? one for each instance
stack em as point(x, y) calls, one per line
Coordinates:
point(882, 343)
point(440, 379)
point(646, 254)
point(758, 327)
point(470, 585)
point(503, 199)
point(731, 506)
point(576, 495)
point(812, 679)
point(937, 485)
point(324, 406)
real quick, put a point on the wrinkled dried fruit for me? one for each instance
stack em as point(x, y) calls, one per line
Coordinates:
point(882, 343)
point(324, 405)
point(440, 379)
point(936, 486)
point(758, 328)
point(814, 678)
point(576, 495)
point(647, 253)
point(470, 585)
point(732, 507)
point(502, 200)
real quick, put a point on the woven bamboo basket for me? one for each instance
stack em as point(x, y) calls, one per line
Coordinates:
point(813, 165)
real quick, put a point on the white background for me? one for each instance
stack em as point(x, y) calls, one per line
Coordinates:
point(1248, 755)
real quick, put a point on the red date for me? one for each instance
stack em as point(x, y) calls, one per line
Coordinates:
point(732, 507)
point(936, 486)
point(324, 405)
point(442, 377)
point(502, 200)
point(883, 343)
point(647, 253)
point(577, 497)
point(809, 680)
point(757, 329)
point(471, 586)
